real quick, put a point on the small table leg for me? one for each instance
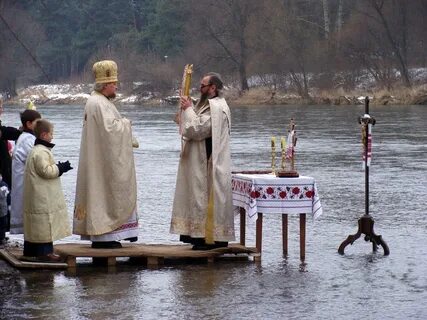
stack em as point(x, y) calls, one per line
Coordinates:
point(259, 233)
point(302, 219)
point(285, 234)
point(242, 226)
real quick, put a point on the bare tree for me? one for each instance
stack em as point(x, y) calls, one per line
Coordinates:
point(399, 48)
point(339, 23)
point(136, 15)
point(326, 20)
point(18, 61)
point(227, 25)
point(300, 38)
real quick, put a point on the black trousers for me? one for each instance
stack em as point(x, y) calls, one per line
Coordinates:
point(32, 249)
point(4, 226)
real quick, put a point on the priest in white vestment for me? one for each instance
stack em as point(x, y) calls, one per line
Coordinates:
point(202, 209)
point(105, 206)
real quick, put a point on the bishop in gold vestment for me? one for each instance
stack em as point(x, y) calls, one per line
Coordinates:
point(105, 205)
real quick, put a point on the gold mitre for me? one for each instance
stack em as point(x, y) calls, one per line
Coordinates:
point(31, 106)
point(105, 71)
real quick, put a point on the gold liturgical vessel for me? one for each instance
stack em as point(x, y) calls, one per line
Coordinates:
point(185, 91)
point(186, 80)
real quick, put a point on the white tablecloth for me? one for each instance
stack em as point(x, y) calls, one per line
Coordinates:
point(267, 194)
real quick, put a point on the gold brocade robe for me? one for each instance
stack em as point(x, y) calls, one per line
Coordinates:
point(199, 177)
point(106, 180)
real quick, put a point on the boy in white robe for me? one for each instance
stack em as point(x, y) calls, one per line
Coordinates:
point(23, 147)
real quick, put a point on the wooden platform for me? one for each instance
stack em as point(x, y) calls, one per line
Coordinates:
point(146, 254)
point(14, 255)
point(153, 255)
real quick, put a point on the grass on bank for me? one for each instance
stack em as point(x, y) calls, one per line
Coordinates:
point(268, 96)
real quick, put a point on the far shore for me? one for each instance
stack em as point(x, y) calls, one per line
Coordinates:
point(65, 94)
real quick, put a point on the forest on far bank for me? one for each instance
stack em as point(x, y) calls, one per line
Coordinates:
point(289, 45)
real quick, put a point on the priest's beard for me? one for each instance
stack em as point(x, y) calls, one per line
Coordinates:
point(203, 98)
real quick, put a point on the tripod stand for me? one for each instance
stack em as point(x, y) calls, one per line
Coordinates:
point(366, 222)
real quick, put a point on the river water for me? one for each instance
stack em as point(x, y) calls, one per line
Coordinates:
point(358, 285)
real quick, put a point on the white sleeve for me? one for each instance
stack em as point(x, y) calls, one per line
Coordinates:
point(196, 127)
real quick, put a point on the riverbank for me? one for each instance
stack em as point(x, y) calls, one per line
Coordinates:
point(264, 96)
point(60, 94)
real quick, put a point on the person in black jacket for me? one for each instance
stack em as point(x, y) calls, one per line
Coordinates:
point(6, 133)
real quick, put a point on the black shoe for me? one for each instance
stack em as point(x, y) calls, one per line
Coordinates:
point(208, 247)
point(106, 244)
point(193, 241)
point(205, 246)
point(132, 239)
point(201, 247)
point(221, 244)
point(185, 239)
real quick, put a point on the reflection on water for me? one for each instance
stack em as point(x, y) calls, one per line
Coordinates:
point(360, 284)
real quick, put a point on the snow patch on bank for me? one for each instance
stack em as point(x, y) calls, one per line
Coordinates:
point(55, 93)
point(71, 93)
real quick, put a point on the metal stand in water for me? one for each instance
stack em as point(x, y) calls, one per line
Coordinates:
point(366, 222)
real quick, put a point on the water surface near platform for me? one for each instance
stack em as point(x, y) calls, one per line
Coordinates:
point(358, 285)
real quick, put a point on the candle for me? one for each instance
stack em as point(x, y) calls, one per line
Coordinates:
point(282, 143)
point(273, 154)
point(283, 147)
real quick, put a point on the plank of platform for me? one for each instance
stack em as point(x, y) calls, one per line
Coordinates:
point(13, 257)
point(147, 250)
point(153, 253)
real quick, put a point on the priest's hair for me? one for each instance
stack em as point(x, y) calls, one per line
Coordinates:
point(99, 86)
point(215, 79)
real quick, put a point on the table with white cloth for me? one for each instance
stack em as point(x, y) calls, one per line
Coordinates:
point(258, 194)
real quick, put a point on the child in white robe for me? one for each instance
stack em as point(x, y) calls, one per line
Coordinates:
point(23, 146)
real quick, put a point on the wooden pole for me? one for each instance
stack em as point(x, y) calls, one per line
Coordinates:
point(285, 234)
point(366, 159)
point(302, 222)
point(242, 226)
point(259, 233)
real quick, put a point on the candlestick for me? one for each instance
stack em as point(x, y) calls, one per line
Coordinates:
point(283, 147)
point(273, 154)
